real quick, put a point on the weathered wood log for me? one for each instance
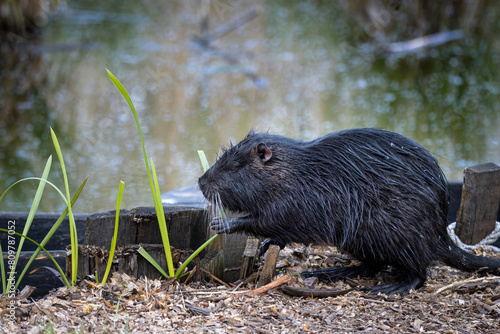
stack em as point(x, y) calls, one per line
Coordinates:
point(92, 260)
point(213, 262)
point(480, 200)
point(186, 227)
point(266, 276)
point(100, 228)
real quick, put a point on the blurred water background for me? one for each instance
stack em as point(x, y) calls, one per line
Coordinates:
point(202, 73)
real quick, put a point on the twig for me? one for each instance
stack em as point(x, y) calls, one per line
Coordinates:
point(26, 292)
point(425, 41)
point(216, 278)
point(467, 281)
point(234, 24)
point(199, 309)
point(182, 299)
point(487, 307)
point(260, 330)
point(280, 281)
point(369, 298)
point(193, 271)
point(252, 277)
point(204, 41)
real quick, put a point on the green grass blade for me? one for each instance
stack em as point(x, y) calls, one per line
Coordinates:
point(51, 231)
point(155, 193)
point(31, 214)
point(203, 160)
point(33, 178)
point(46, 252)
point(148, 257)
point(118, 308)
point(72, 225)
point(192, 256)
point(160, 214)
point(115, 234)
point(127, 98)
point(125, 95)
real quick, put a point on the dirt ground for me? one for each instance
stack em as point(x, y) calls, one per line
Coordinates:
point(450, 302)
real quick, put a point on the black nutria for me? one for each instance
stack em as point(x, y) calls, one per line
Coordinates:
point(374, 194)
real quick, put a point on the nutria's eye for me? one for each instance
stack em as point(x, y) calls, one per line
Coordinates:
point(233, 166)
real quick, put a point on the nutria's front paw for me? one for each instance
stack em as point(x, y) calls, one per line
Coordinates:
point(220, 225)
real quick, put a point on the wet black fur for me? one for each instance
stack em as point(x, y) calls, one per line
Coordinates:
point(374, 194)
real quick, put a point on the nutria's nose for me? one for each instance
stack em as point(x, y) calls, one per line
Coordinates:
point(202, 182)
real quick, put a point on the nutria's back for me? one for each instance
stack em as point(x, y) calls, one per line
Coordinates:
point(375, 194)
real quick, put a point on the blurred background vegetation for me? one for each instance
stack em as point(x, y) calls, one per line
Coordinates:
point(202, 73)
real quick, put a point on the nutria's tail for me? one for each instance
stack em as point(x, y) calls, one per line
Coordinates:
point(460, 259)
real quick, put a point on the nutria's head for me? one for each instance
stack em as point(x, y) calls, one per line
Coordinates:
point(241, 175)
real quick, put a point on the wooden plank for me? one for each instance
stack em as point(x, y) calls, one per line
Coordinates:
point(213, 262)
point(42, 223)
point(43, 279)
point(480, 201)
point(269, 266)
point(234, 247)
point(249, 254)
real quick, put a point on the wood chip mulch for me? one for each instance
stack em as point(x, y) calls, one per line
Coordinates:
point(450, 302)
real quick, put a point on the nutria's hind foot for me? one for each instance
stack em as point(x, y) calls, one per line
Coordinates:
point(334, 274)
point(264, 246)
point(401, 289)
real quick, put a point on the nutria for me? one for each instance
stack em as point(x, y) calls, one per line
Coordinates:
point(374, 194)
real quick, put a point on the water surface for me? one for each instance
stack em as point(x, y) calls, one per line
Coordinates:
point(300, 69)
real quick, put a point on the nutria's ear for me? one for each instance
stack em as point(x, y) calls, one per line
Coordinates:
point(263, 152)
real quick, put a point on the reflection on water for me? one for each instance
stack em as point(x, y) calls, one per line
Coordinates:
point(299, 68)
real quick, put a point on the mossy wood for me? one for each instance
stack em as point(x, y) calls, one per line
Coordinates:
point(480, 202)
